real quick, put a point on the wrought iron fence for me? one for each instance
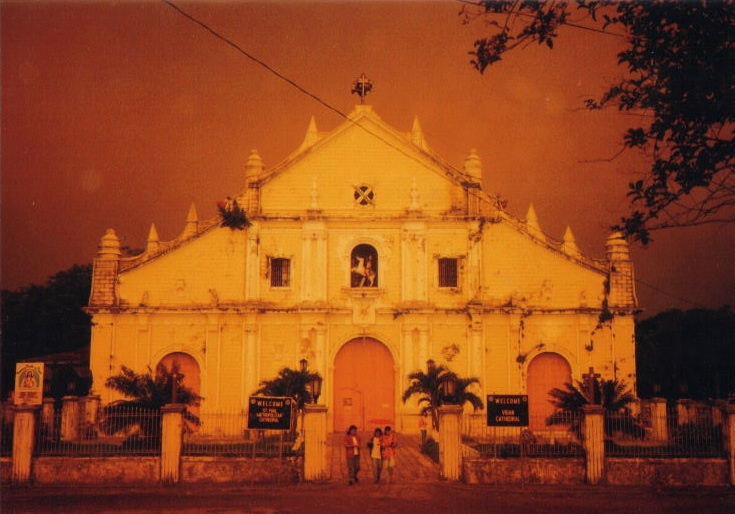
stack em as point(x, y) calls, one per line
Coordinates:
point(673, 433)
point(538, 439)
point(225, 434)
point(130, 431)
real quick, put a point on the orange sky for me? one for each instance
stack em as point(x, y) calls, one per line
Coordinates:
point(123, 114)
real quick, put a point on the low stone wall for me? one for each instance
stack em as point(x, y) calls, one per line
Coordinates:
point(667, 472)
point(528, 471)
point(636, 472)
point(147, 470)
point(96, 470)
point(234, 470)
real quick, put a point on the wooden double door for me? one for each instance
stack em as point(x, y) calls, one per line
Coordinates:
point(364, 385)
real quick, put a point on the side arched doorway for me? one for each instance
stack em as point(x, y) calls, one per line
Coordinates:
point(188, 366)
point(364, 385)
point(545, 372)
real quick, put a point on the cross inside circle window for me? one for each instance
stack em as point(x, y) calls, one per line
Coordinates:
point(364, 194)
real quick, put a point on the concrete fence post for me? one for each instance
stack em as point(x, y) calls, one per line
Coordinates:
point(48, 413)
point(593, 431)
point(450, 441)
point(659, 421)
point(69, 418)
point(728, 435)
point(24, 433)
point(685, 412)
point(315, 442)
point(172, 435)
point(90, 413)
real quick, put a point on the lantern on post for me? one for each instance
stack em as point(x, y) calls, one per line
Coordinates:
point(448, 389)
point(316, 387)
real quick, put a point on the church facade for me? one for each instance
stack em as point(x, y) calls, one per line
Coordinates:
point(368, 255)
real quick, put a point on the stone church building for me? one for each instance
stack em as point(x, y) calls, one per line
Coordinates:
point(367, 255)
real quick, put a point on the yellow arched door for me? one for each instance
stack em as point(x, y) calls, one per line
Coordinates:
point(545, 372)
point(364, 385)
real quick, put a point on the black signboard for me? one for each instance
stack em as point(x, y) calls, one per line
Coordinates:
point(507, 410)
point(270, 413)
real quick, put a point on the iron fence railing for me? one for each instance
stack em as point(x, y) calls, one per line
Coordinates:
point(225, 434)
point(538, 439)
point(131, 431)
point(670, 434)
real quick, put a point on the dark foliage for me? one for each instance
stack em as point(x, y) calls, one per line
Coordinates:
point(680, 63)
point(612, 395)
point(233, 216)
point(41, 320)
point(686, 354)
point(290, 383)
point(428, 386)
point(147, 393)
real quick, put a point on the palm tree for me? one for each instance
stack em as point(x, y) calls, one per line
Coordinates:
point(292, 384)
point(612, 395)
point(429, 387)
point(147, 393)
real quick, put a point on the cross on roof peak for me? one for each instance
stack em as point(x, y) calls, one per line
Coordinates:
point(362, 86)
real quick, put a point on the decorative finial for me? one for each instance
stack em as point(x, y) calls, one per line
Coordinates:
point(362, 86)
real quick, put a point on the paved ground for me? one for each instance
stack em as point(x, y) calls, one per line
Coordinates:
point(411, 465)
point(340, 498)
point(416, 489)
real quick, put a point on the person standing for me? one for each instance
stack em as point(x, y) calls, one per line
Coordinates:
point(376, 453)
point(352, 453)
point(389, 452)
point(422, 428)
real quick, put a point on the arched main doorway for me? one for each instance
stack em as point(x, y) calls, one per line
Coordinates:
point(545, 372)
point(364, 385)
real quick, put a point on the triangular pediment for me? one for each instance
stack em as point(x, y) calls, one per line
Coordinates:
point(363, 164)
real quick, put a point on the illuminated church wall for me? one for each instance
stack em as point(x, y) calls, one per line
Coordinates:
point(367, 255)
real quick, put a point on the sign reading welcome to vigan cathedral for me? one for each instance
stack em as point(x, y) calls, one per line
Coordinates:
point(507, 410)
point(270, 412)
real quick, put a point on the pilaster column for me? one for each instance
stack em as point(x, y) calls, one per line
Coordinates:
point(476, 350)
point(423, 346)
point(251, 361)
point(24, 433)
point(315, 442)
point(593, 432)
point(408, 364)
point(172, 430)
point(450, 441)
point(321, 349)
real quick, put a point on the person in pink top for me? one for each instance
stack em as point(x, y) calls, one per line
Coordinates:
point(352, 453)
point(389, 452)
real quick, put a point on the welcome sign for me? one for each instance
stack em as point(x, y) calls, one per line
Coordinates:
point(507, 410)
point(270, 413)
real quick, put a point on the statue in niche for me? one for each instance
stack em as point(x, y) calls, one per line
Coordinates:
point(364, 270)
